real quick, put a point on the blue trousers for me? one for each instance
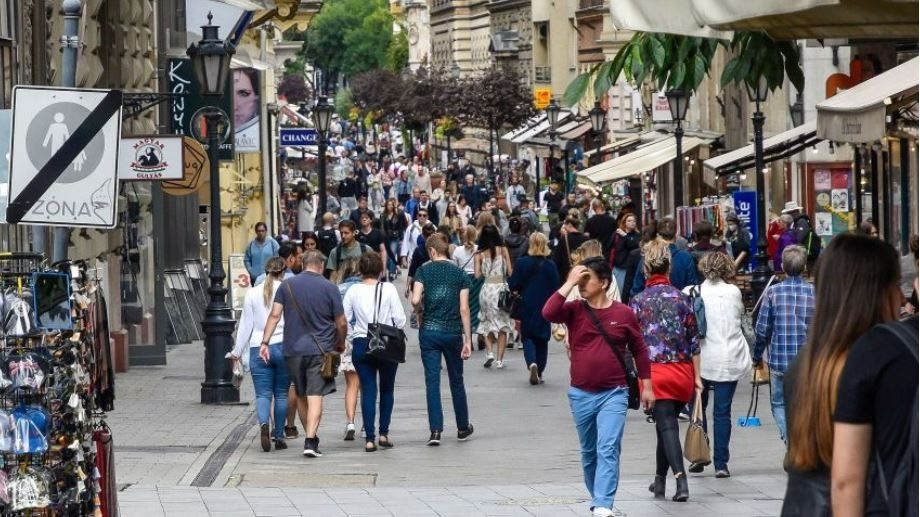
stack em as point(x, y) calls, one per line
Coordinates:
point(270, 380)
point(600, 419)
point(535, 351)
point(723, 392)
point(392, 254)
point(434, 345)
point(778, 403)
point(369, 368)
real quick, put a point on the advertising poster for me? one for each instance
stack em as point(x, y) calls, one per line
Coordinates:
point(186, 113)
point(239, 281)
point(833, 189)
point(746, 209)
point(246, 116)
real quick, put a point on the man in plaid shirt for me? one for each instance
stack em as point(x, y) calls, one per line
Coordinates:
point(782, 324)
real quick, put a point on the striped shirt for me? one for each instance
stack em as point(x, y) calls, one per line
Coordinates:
point(783, 322)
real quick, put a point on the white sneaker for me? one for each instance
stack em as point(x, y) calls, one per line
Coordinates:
point(602, 512)
point(490, 358)
point(349, 432)
point(499, 364)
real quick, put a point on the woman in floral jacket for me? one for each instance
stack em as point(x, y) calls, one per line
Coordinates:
point(670, 332)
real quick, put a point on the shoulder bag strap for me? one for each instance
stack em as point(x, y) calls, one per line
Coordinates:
point(764, 293)
point(303, 317)
point(568, 249)
point(472, 256)
point(377, 297)
point(600, 327)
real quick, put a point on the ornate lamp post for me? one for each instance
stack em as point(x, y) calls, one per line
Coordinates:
point(677, 103)
point(552, 115)
point(210, 59)
point(322, 117)
point(761, 275)
point(598, 118)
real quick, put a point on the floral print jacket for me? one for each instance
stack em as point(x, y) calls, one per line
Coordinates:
point(667, 321)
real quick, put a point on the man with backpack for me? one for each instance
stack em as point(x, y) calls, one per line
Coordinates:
point(349, 247)
point(327, 238)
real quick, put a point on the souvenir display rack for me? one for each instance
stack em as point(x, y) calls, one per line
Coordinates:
point(55, 447)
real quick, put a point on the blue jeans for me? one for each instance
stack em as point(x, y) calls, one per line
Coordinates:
point(599, 419)
point(535, 352)
point(620, 275)
point(368, 370)
point(270, 380)
point(778, 402)
point(392, 254)
point(433, 345)
point(722, 419)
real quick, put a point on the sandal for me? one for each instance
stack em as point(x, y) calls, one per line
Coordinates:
point(370, 447)
point(385, 442)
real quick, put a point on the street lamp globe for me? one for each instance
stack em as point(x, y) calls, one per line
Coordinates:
point(677, 103)
point(211, 60)
point(758, 93)
point(598, 117)
point(552, 113)
point(322, 116)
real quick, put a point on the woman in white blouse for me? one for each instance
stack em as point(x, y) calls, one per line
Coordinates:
point(268, 378)
point(361, 303)
point(724, 354)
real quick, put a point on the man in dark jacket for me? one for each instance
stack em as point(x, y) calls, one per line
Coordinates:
point(683, 266)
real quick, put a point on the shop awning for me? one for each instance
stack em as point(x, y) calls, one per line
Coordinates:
point(542, 127)
point(577, 130)
point(641, 160)
point(526, 126)
point(614, 146)
point(294, 116)
point(774, 148)
point(781, 19)
point(858, 115)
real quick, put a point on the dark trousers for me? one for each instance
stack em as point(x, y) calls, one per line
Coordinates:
point(668, 453)
point(369, 370)
point(722, 418)
point(434, 345)
point(535, 352)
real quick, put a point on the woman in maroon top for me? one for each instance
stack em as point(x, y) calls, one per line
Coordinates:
point(598, 391)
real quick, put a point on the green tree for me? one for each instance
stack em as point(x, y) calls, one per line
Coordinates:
point(366, 47)
point(398, 52)
point(344, 103)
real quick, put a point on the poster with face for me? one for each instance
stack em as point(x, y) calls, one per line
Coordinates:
point(840, 200)
point(246, 110)
point(824, 224)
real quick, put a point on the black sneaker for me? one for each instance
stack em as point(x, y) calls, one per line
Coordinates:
point(464, 434)
point(435, 439)
point(280, 445)
point(266, 438)
point(696, 468)
point(311, 448)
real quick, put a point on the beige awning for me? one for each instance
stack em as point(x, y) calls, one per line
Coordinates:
point(577, 131)
point(542, 127)
point(774, 148)
point(781, 19)
point(858, 114)
point(615, 145)
point(641, 160)
point(526, 126)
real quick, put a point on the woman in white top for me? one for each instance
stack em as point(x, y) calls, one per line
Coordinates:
point(268, 378)
point(463, 256)
point(362, 303)
point(724, 354)
point(306, 211)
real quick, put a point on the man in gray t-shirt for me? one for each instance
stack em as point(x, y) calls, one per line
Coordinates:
point(314, 323)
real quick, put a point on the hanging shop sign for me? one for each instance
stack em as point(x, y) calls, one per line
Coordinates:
point(155, 157)
point(64, 156)
point(298, 136)
point(246, 110)
point(745, 202)
point(187, 112)
point(195, 164)
point(541, 97)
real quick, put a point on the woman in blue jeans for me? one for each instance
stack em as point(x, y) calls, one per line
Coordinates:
point(536, 278)
point(372, 301)
point(598, 393)
point(441, 294)
point(270, 378)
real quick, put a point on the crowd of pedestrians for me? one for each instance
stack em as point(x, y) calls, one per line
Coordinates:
point(647, 317)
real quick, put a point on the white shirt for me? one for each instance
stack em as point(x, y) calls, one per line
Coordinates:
point(724, 353)
point(253, 319)
point(465, 213)
point(410, 240)
point(464, 259)
point(359, 305)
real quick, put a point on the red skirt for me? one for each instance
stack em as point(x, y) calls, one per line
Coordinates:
point(673, 381)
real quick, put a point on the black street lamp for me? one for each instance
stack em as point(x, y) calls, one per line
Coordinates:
point(552, 115)
point(322, 117)
point(677, 103)
point(761, 275)
point(210, 59)
point(598, 117)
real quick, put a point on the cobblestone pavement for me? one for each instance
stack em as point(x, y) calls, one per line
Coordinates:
point(175, 456)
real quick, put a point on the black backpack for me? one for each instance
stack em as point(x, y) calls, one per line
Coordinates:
point(900, 492)
point(326, 241)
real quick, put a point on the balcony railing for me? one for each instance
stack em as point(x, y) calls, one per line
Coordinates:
point(542, 74)
point(591, 4)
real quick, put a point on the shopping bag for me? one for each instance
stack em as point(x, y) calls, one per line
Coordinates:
point(696, 443)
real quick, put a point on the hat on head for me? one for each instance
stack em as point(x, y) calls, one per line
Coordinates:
point(792, 206)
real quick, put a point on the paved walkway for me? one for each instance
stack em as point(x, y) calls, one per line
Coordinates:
point(175, 456)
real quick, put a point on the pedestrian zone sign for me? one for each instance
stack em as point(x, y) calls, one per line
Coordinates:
point(64, 157)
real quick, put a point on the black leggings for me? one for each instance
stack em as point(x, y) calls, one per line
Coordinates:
point(668, 453)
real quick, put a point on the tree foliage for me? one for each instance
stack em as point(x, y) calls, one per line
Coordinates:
point(349, 37)
point(682, 62)
point(378, 92)
point(494, 99)
point(294, 88)
point(398, 52)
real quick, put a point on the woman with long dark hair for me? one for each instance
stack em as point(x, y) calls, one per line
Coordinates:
point(393, 223)
point(849, 393)
point(493, 265)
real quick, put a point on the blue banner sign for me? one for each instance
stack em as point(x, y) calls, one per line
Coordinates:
point(746, 210)
point(295, 136)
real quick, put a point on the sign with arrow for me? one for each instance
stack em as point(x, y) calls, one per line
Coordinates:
point(64, 157)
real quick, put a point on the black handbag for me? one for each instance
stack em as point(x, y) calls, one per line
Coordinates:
point(808, 494)
point(385, 342)
point(627, 362)
point(509, 301)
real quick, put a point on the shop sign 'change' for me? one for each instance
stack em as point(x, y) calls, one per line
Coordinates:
point(157, 157)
